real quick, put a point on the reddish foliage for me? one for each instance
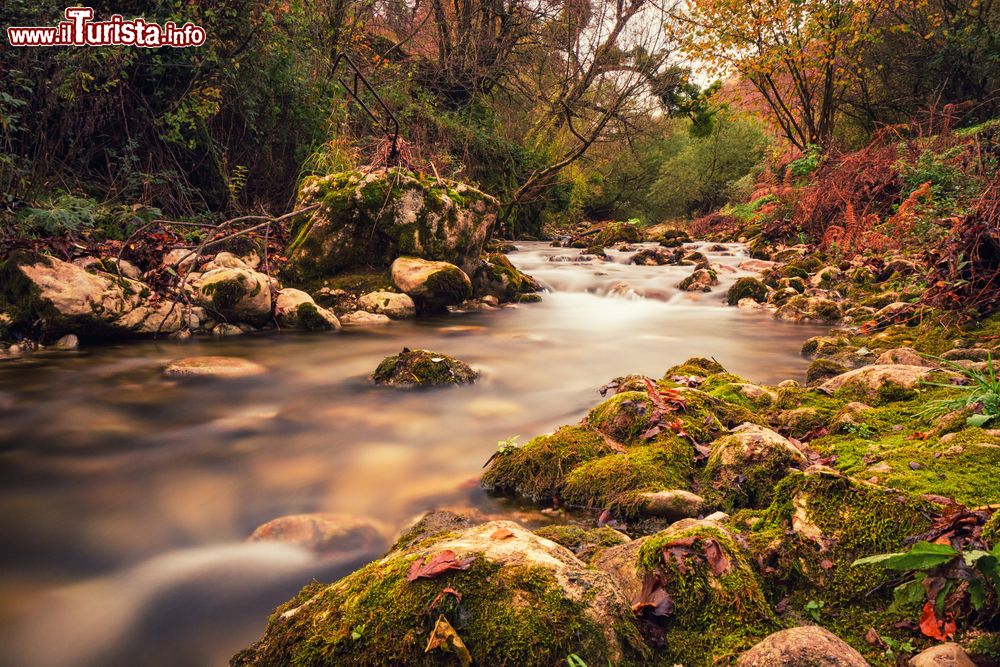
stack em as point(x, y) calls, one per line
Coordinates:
point(713, 223)
point(439, 563)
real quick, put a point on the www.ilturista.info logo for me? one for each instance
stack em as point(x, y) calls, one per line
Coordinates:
point(79, 30)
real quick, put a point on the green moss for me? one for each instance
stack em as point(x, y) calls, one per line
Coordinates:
point(838, 520)
point(449, 285)
point(991, 530)
point(538, 469)
point(497, 276)
point(743, 469)
point(746, 288)
point(308, 317)
point(422, 368)
point(507, 615)
point(695, 366)
point(610, 234)
point(225, 294)
point(715, 617)
point(614, 481)
point(624, 417)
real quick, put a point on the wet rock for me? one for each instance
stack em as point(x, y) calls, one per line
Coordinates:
point(524, 600)
point(807, 646)
point(213, 366)
point(816, 308)
point(674, 238)
point(948, 654)
point(67, 342)
point(746, 288)
point(323, 533)
point(905, 356)
point(236, 295)
point(673, 504)
point(432, 285)
point(622, 289)
point(422, 368)
point(969, 354)
point(745, 465)
point(371, 217)
point(391, 304)
point(297, 310)
point(650, 257)
point(700, 280)
point(821, 370)
point(361, 318)
point(226, 329)
point(609, 235)
point(756, 265)
point(496, 276)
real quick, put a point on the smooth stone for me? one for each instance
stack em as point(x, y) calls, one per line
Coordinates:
point(211, 366)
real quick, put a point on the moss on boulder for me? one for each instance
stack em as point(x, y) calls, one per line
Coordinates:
point(497, 276)
point(370, 218)
point(747, 288)
point(744, 466)
point(422, 368)
point(524, 600)
point(432, 285)
point(585, 543)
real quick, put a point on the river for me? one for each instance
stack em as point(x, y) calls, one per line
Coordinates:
point(125, 495)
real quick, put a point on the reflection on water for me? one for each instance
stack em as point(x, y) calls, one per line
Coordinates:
point(115, 477)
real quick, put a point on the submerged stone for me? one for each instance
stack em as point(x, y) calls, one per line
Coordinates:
point(214, 366)
point(422, 368)
point(391, 304)
point(323, 533)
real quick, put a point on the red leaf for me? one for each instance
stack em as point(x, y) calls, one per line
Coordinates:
point(933, 627)
point(437, 564)
point(717, 558)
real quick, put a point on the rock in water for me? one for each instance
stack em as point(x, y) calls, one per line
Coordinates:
point(361, 318)
point(422, 368)
point(391, 304)
point(432, 285)
point(220, 367)
point(496, 276)
point(807, 646)
point(370, 218)
point(497, 594)
point(297, 310)
point(322, 533)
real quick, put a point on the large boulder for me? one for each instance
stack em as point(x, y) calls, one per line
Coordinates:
point(486, 595)
point(296, 310)
point(807, 646)
point(370, 218)
point(235, 295)
point(46, 295)
point(884, 381)
point(432, 285)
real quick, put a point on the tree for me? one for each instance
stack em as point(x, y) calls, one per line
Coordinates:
point(799, 55)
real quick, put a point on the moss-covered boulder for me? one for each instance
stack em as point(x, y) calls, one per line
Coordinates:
point(369, 219)
point(700, 280)
point(674, 238)
point(296, 310)
point(696, 584)
point(884, 382)
point(538, 469)
point(432, 285)
point(496, 276)
point(650, 257)
point(235, 295)
point(746, 288)
point(821, 370)
point(585, 543)
point(744, 466)
point(490, 594)
point(423, 368)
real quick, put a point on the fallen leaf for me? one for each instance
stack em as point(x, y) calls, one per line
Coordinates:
point(437, 564)
point(501, 534)
point(873, 639)
point(934, 627)
point(718, 561)
point(653, 598)
point(444, 637)
point(442, 593)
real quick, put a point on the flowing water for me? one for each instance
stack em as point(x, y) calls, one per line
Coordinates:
point(125, 495)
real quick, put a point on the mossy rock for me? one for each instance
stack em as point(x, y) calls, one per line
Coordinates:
point(821, 370)
point(674, 238)
point(624, 417)
point(538, 469)
point(523, 600)
point(496, 276)
point(696, 367)
point(746, 288)
point(745, 466)
point(835, 520)
point(422, 368)
point(719, 607)
point(370, 218)
point(609, 235)
point(617, 481)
